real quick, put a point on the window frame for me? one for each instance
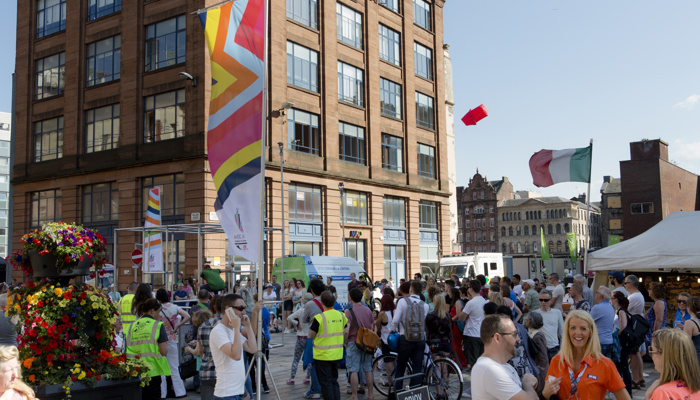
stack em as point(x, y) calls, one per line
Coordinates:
point(425, 112)
point(153, 39)
point(353, 84)
point(314, 134)
point(38, 138)
point(426, 160)
point(41, 30)
point(172, 192)
point(423, 64)
point(114, 122)
point(390, 94)
point(105, 191)
point(393, 6)
point(312, 196)
point(349, 30)
point(41, 72)
point(649, 205)
point(301, 72)
point(422, 14)
point(94, 60)
point(427, 209)
point(389, 45)
point(392, 152)
point(179, 106)
point(311, 9)
point(352, 148)
point(44, 196)
point(393, 207)
point(354, 214)
point(97, 14)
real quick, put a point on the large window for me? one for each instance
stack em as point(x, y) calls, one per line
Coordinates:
point(642, 208)
point(390, 98)
point(102, 128)
point(392, 153)
point(423, 60)
point(356, 250)
point(353, 207)
point(394, 262)
point(393, 5)
point(103, 59)
point(100, 203)
point(351, 88)
point(425, 115)
point(164, 117)
point(50, 17)
point(48, 139)
point(172, 193)
point(427, 215)
point(421, 14)
point(50, 76)
point(302, 67)
point(426, 160)
point(389, 45)
point(303, 133)
point(351, 143)
point(165, 43)
point(305, 203)
point(100, 8)
point(47, 206)
point(349, 26)
point(305, 248)
point(303, 11)
point(394, 210)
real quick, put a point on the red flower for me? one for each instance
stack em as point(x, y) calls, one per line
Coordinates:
point(65, 318)
point(38, 351)
point(53, 344)
point(89, 374)
point(31, 285)
point(49, 358)
point(32, 333)
point(68, 296)
point(44, 324)
point(73, 378)
point(40, 303)
point(98, 335)
point(97, 378)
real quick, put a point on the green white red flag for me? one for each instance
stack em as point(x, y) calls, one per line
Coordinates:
point(549, 167)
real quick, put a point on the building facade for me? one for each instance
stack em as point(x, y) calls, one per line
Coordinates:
point(5, 207)
point(104, 114)
point(611, 211)
point(478, 212)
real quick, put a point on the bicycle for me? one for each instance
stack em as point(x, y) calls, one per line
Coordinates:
point(442, 375)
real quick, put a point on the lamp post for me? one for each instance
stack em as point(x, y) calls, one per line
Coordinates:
point(341, 187)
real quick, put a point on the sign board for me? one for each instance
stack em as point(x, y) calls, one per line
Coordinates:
point(136, 257)
point(419, 393)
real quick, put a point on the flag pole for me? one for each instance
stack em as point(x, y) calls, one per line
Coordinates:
point(588, 211)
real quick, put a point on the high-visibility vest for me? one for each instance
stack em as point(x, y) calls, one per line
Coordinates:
point(125, 312)
point(142, 341)
point(328, 343)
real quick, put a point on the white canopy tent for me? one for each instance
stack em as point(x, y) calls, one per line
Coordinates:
point(672, 244)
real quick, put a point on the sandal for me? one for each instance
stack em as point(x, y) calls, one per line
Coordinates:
point(290, 381)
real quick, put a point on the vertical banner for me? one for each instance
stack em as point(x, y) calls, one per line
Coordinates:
point(235, 34)
point(153, 244)
point(573, 246)
point(543, 244)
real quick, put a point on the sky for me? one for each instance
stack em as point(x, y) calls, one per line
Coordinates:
point(553, 74)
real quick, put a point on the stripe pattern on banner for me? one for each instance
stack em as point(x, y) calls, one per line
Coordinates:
point(153, 245)
point(549, 167)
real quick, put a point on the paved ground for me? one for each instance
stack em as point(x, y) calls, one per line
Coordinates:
point(281, 361)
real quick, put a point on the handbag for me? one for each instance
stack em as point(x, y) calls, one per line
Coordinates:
point(188, 368)
point(366, 339)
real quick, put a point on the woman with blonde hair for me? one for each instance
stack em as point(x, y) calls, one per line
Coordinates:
point(675, 360)
point(11, 385)
point(580, 370)
point(496, 298)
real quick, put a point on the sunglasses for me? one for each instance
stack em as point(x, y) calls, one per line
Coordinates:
point(545, 300)
point(514, 334)
point(239, 308)
point(682, 302)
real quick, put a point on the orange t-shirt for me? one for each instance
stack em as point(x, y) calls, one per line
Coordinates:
point(676, 390)
point(600, 377)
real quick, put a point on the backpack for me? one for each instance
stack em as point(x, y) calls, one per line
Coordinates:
point(366, 339)
point(413, 321)
point(442, 328)
point(634, 333)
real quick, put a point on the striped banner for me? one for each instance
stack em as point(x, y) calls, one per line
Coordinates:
point(153, 244)
point(235, 34)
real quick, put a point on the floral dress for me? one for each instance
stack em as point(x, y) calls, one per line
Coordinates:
point(651, 318)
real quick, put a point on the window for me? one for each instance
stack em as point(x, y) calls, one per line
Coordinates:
point(100, 203)
point(427, 215)
point(50, 17)
point(393, 5)
point(392, 153)
point(492, 222)
point(351, 88)
point(493, 236)
point(356, 250)
point(425, 117)
point(642, 208)
point(550, 229)
point(390, 98)
point(467, 223)
point(423, 60)
point(172, 193)
point(558, 229)
point(50, 76)
point(421, 14)
point(426, 161)
point(518, 231)
point(47, 206)
point(510, 231)
point(478, 224)
point(466, 210)
point(304, 203)
point(103, 58)
point(394, 210)
point(349, 25)
point(164, 117)
point(526, 230)
point(48, 139)
point(478, 209)
point(102, 128)
point(302, 67)
point(351, 143)
point(165, 43)
point(303, 11)
point(566, 228)
point(389, 45)
point(101, 8)
point(306, 248)
point(354, 209)
point(303, 133)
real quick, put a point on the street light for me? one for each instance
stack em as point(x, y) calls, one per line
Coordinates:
point(341, 187)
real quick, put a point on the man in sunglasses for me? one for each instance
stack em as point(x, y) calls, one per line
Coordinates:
point(553, 327)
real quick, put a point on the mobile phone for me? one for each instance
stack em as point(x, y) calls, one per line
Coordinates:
point(231, 314)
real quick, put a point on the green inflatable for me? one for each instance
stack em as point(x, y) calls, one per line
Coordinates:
point(213, 278)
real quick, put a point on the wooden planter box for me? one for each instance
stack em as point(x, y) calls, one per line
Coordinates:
point(105, 389)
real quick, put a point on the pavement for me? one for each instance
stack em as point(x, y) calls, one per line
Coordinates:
point(281, 361)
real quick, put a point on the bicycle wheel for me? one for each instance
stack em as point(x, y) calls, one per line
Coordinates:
point(384, 370)
point(444, 380)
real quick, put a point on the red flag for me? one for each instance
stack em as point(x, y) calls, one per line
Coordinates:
point(475, 115)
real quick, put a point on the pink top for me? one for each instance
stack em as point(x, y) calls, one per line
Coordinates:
point(676, 390)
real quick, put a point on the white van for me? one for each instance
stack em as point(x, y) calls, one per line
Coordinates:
point(472, 264)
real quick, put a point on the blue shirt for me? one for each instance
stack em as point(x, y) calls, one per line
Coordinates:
point(679, 320)
point(266, 322)
point(604, 316)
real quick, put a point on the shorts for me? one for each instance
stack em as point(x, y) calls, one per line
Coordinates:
point(385, 348)
point(358, 360)
point(288, 305)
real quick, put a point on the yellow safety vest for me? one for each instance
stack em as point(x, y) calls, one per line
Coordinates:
point(328, 343)
point(125, 312)
point(142, 341)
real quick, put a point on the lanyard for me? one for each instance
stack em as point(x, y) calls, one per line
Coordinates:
point(574, 383)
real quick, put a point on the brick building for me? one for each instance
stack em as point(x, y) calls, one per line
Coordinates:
point(611, 210)
point(104, 114)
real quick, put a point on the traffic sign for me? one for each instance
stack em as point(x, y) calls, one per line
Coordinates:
point(136, 257)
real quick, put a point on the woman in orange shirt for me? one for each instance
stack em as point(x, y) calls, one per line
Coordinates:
point(585, 373)
point(675, 359)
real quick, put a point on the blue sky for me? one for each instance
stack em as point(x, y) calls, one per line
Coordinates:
point(554, 74)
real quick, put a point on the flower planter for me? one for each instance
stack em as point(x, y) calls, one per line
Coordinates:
point(44, 266)
point(128, 389)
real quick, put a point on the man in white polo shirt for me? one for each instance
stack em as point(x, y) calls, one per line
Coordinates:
point(473, 313)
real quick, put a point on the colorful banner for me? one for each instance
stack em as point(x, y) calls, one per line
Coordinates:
point(543, 244)
point(613, 239)
point(153, 244)
point(235, 34)
point(573, 246)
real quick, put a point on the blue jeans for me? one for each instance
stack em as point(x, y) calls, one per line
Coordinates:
point(237, 397)
point(413, 351)
point(315, 385)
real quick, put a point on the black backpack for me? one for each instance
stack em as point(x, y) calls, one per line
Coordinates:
point(634, 333)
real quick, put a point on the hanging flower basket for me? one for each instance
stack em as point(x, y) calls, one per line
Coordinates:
point(45, 266)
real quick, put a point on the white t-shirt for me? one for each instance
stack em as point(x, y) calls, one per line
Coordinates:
point(623, 290)
point(518, 289)
point(636, 303)
point(558, 293)
point(553, 326)
point(494, 381)
point(475, 309)
point(233, 370)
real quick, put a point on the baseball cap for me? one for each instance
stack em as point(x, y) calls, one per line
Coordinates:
point(617, 275)
point(529, 282)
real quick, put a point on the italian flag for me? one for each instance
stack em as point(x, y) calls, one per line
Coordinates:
point(549, 167)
